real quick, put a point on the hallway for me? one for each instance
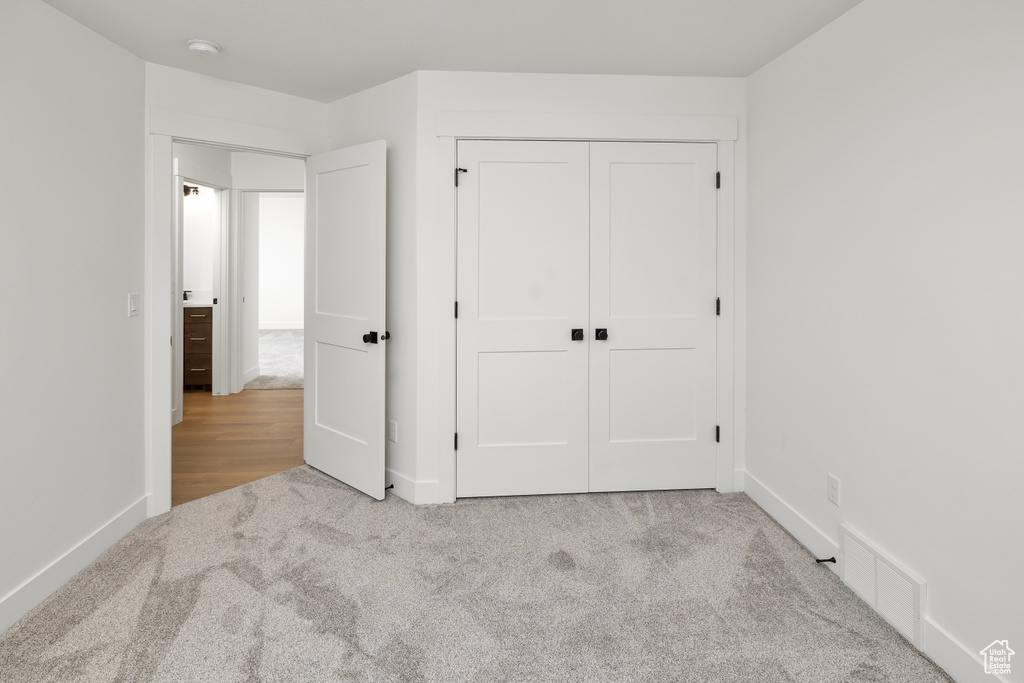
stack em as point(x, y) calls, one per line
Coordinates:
point(227, 441)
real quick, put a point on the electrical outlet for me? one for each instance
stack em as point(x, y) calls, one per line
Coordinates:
point(833, 490)
point(392, 431)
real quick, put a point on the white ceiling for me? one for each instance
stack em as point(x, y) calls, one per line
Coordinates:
point(326, 49)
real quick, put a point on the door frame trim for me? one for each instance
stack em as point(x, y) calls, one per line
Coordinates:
point(450, 127)
point(163, 128)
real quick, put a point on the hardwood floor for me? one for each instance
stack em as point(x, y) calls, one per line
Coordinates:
point(227, 441)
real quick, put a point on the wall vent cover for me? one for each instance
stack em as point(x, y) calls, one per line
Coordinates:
point(891, 590)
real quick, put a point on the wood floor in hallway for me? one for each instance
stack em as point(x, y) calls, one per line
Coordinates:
point(227, 441)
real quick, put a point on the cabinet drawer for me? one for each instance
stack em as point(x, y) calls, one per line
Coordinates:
point(198, 338)
point(198, 369)
point(199, 315)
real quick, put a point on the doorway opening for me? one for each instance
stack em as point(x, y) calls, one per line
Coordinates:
point(239, 275)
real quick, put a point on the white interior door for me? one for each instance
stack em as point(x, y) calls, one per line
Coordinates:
point(522, 289)
point(653, 379)
point(345, 316)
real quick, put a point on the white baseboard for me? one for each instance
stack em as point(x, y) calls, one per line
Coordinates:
point(811, 537)
point(417, 492)
point(250, 375)
point(28, 595)
point(954, 658)
point(281, 326)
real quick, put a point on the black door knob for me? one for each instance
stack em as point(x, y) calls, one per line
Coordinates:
point(385, 336)
point(577, 334)
point(370, 338)
point(601, 334)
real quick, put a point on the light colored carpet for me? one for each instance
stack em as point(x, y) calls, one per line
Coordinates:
point(281, 365)
point(297, 577)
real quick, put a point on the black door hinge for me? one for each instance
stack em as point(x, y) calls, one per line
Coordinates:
point(718, 433)
point(718, 180)
point(718, 306)
point(457, 172)
point(456, 441)
point(456, 309)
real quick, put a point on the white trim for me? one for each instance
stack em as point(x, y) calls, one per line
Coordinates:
point(446, 158)
point(163, 128)
point(954, 657)
point(417, 492)
point(738, 479)
point(32, 592)
point(223, 296)
point(802, 529)
point(726, 272)
point(158, 369)
point(224, 133)
point(250, 374)
point(545, 126)
point(452, 126)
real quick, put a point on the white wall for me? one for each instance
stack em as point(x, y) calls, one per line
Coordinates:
point(201, 235)
point(281, 248)
point(71, 414)
point(244, 112)
point(637, 99)
point(389, 112)
point(885, 294)
point(203, 164)
point(265, 172)
point(250, 313)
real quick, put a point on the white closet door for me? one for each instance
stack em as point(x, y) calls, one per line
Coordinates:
point(522, 288)
point(653, 288)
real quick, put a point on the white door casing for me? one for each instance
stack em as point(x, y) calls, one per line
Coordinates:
point(344, 420)
point(177, 305)
point(653, 232)
point(639, 261)
point(522, 289)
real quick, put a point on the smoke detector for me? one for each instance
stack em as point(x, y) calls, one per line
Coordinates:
point(203, 48)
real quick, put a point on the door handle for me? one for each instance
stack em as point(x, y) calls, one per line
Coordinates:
point(370, 338)
point(577, 334)
point(601, 334)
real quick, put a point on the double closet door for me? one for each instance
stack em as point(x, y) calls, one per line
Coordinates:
point(586, 326)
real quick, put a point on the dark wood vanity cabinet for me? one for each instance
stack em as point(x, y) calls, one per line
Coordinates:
point(198, 348)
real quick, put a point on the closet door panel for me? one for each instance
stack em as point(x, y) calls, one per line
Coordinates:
point(653, 287)
point(522, 287)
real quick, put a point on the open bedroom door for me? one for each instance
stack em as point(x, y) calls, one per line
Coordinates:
point(344, 432)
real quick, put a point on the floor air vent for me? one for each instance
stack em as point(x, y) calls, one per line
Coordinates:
point(892, 591)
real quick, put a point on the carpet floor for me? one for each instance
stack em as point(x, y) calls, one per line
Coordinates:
point(297, 577)
point(281, 362)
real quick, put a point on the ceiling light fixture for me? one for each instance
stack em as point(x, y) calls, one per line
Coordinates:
point(203, 48)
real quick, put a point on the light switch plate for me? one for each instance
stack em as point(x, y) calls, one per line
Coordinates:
point(133, 304)
point(392, 431)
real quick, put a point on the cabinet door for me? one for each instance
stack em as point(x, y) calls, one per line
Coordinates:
point(522, 288)
point(652, 287)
